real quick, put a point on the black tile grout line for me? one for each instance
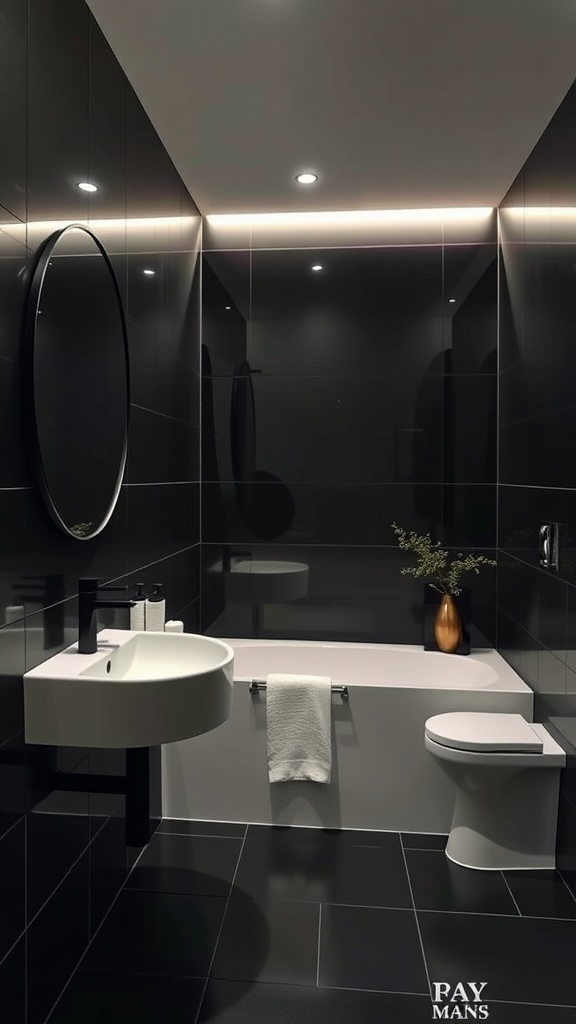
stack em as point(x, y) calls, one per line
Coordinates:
point(163, 483)
point(165, 415)
point(21, 819)
point(340, 483)
point(91, 940)
point(312, 544)
point(213, 957)
point(538, 487)
point(504, 917)
point(420, 995)
point(377, 991)
point(196, 835)
point(319, 940)
point(415, 916)
point(561, 875)
point(501, 873)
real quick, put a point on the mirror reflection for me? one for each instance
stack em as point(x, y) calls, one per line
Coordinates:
point(76, 384)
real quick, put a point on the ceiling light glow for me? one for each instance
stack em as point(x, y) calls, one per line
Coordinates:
point(451, 300)
point(87, 186)
point(317, 266)
point(306, 178)
point(149, 273)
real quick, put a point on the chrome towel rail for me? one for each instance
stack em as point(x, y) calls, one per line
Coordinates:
point(256, 685)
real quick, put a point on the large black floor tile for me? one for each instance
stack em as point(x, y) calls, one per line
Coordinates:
point(102, 997)
point(230, 1002)
point(185, 827)
point(438, 884)
point(154, 933)
point(326, 868)
point(187, 864)
point(521, 959)
point(268, 941)
point(423, 841)
point(371, 948)
point(541, 894)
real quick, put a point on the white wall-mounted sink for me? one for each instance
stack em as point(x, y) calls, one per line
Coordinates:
point(137, 690)
point(264, 581)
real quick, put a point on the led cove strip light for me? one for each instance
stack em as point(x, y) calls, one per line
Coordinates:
point(352, 217)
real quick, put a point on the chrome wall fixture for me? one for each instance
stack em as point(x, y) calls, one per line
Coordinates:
point(548, 546)
point(257, 685)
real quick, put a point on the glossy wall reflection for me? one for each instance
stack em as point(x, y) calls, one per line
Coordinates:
point(374, 384)
point(68, 114)
point(537, 414)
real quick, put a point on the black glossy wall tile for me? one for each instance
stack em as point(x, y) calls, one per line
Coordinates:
point(13, 55)
point(12, 887)
point(322, 513)
point(68, 114)
point(13, 262)
point(57, 112)
point(13, 984)
point(354, 592)
point(374, 401)
point(536, 439)
point(333, 428)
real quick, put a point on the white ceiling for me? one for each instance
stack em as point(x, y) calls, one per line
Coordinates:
point(396, 103)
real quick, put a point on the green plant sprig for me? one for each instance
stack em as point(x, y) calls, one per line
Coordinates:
point(434, 562)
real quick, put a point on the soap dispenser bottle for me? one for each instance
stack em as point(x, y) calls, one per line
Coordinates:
point(155, 610)
point(138, 610)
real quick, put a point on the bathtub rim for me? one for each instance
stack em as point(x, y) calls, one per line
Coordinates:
point(507, 681)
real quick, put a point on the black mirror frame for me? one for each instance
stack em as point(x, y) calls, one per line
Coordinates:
point(35, 280)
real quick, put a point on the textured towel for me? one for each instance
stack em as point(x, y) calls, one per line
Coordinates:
point(298, 711)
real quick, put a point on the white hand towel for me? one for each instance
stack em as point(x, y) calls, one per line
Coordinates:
point(298, 712)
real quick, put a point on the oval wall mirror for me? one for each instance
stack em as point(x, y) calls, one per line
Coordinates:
point(76, 380)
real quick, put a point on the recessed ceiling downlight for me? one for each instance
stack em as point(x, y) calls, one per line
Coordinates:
point(306, 178)
point(149, 273)
point(87, 186)
point(317, 267)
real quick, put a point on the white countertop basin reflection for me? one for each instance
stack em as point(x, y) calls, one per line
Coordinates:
point(263, 581)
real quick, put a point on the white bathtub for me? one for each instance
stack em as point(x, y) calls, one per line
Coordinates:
point(382, 776)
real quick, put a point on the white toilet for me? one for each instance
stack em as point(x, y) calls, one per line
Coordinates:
point(507, 771)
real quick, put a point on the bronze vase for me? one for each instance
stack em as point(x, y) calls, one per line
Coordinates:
point(448, 625)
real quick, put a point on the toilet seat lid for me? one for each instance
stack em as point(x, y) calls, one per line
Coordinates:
point(477, 730)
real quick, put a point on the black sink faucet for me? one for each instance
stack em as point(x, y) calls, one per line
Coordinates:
point(88, 603)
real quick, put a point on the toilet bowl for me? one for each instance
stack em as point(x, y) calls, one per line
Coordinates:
point(507, 773)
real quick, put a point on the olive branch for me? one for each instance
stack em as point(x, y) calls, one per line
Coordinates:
point(434, 562)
